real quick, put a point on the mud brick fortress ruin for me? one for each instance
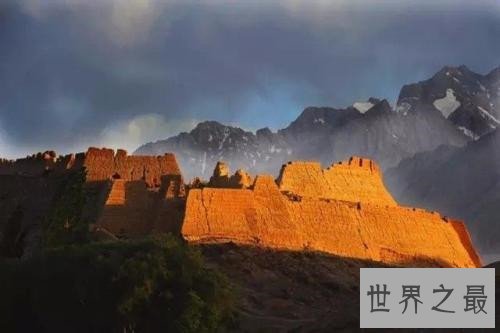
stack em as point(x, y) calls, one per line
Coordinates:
point(343, 210)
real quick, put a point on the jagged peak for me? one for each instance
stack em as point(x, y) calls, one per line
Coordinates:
point(216, 133)
point(494, 73)
point(264, 132)
point(208, 124)
point(363, 107)
point(455, 70)
point(312, 110)
point(381, 107)
point(374, 100)
point(464, 68)
point(217, 126)
point(322, 116)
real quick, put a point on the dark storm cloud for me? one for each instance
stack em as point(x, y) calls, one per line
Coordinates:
point(75, 73)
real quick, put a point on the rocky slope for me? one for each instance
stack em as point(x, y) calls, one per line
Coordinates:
point(460, 182)
point(286, 291)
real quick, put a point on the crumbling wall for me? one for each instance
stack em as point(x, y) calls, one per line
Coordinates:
point(170, 206)
point(356, 180)
point(221, 177)
point(132, 209)
point(101, 164)
point(125, 195)
point(362, 227)
point(35, 164)
point(128, 208)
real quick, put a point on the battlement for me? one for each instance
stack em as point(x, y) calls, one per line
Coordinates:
point(343, 210)
point(357, 180)
point(358, 163)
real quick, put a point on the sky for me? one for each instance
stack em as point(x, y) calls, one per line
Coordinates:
point(120, 73)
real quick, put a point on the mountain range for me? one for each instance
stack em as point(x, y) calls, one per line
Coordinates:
point(439, 144)
point(453, 107)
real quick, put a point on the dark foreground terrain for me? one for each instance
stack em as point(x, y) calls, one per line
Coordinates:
point(282, 291)
point(162, 284)
point(289, 291)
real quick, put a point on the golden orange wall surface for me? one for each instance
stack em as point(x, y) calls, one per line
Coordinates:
point(343, 210)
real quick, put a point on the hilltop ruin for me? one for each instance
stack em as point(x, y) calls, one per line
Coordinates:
point(344, 209)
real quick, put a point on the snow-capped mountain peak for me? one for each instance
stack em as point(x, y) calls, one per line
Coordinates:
point(453, 107)
point(468, 99)
point(362, 106)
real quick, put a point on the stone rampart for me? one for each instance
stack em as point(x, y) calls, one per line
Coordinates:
point(344, 210)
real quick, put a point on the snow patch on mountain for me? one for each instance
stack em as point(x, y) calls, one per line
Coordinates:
point(363, 106)
point(485, 114)
point(403, 108)
point(204, 163)
point(273, 149)
point(468, 133)
point(226, 135)
point(447, 104)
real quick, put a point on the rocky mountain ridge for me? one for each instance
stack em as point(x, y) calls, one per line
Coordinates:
point(453, 107)
point(469, 100)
